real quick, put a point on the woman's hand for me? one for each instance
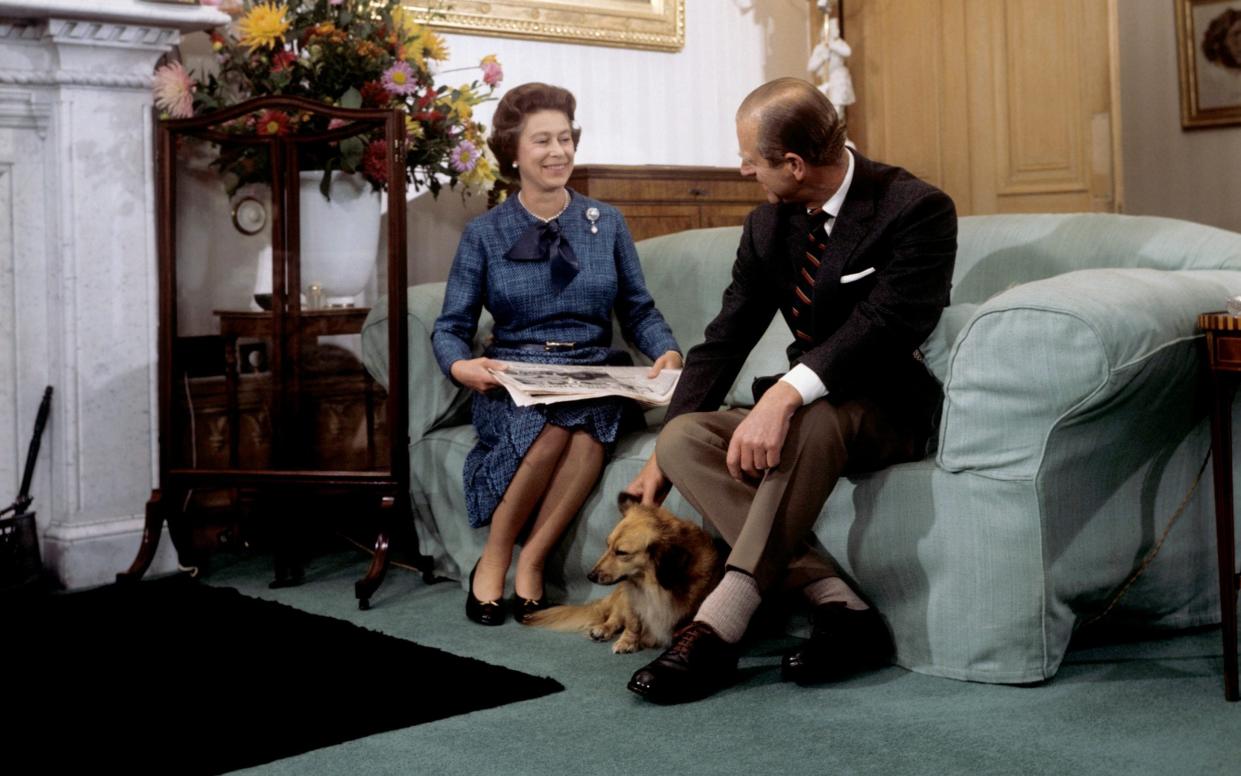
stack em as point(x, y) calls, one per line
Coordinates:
point(669, 360)
point(473, 373)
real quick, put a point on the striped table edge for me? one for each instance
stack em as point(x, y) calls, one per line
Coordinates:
point(1219, 321)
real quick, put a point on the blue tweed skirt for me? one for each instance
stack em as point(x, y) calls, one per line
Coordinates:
point(506, 431)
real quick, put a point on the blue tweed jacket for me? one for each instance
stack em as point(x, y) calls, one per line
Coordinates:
point(520, 296)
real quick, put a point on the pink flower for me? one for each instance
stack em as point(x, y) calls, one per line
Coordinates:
point(399, 79)
point(492, 72)
point(464, 156)
point(174, 91)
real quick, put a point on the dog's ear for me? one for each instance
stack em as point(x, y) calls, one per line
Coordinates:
point(671, 565)
point(625, 500)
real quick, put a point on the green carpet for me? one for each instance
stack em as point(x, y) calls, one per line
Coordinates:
point(1154, 706)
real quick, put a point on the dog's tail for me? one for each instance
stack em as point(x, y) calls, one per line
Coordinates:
point(571, 619)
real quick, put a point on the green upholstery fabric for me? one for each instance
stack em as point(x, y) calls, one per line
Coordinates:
point(1071, 433)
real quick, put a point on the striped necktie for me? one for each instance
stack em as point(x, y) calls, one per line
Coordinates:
point(803, 286)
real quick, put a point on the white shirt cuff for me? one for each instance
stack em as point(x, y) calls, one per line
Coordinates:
point(806, 382)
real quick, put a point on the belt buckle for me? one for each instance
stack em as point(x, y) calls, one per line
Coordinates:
point(551, 345)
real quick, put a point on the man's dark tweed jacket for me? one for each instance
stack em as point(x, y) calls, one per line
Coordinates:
point(866, 331)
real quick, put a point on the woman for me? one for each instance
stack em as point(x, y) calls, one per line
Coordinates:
point(551, 266)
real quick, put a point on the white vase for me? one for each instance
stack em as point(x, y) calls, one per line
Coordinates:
point(339, 237)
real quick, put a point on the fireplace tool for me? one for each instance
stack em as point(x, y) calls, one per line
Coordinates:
point(20, 564)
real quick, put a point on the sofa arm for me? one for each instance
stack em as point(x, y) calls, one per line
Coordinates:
point(1069, 350)
point(433, 398)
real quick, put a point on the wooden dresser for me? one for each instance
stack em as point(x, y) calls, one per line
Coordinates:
point(659, 199)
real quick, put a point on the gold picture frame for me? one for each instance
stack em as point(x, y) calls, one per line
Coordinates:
point(1208, 34)
point(644, 24)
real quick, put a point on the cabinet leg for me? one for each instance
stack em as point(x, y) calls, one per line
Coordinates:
point(165, 505)
point(286, 551)
point(150, 540)
point(365, 587)
point(1222, 391)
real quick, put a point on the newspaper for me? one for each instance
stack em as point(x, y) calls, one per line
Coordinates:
point(531, 384)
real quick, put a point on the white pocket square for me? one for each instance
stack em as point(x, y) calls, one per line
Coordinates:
point(856, 275)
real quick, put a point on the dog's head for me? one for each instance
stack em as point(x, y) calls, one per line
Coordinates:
point(643, 546)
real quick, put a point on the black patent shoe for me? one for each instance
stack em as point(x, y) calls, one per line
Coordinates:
point(697, 664)
point(524, 607)
point(844, 642)
point(482, 612)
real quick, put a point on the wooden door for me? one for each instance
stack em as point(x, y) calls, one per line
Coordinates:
point(1008, 105)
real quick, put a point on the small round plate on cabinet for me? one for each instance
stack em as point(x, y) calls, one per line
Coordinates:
point(249, 215)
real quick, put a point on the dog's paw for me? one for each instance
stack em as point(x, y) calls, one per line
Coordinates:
point(602, 632)
point(626, 644)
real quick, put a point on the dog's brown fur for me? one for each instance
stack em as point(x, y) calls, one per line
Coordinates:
point(663, 567)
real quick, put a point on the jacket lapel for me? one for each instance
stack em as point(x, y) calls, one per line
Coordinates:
point(851, 226)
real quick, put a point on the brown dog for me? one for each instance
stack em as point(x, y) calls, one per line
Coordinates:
point(663, 567)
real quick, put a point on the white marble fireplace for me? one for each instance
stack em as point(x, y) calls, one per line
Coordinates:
point(78, 304)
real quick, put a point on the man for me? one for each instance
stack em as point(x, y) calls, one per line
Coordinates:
point(857, 256)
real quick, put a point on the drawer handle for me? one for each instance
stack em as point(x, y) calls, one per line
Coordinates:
point(697, 192)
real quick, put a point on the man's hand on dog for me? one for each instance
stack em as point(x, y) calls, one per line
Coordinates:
point(650, 485)
point(756, 443)
point(473, 373)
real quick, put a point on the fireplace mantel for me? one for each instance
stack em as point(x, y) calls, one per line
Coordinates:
point(78, 299)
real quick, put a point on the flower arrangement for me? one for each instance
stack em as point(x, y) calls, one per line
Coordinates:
point(347, 53)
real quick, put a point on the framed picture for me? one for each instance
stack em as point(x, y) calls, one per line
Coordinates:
point(1209, 46)
point(644, 24)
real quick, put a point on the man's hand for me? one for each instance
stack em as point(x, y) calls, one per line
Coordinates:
point(669, 360)
point(473, 374)
point(756, 443)
point(650, 485)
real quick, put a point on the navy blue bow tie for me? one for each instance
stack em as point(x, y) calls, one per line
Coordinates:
point(544, 242)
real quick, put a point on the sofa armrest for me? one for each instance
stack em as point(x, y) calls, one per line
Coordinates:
point(1103, 346)
point(433, 398)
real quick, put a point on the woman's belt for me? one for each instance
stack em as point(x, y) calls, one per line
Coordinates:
point(550, 346)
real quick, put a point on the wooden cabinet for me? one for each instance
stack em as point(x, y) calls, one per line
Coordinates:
point(659, 200)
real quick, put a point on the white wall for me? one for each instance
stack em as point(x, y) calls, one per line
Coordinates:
point(1195, 175)
point(635, 107)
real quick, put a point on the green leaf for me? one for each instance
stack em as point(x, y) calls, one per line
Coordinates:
point(352, 98)
point(325, 185)
point(351, 150)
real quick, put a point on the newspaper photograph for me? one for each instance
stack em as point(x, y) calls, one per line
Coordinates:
point(531, 384)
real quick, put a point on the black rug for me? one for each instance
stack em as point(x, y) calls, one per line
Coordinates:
point(173, 676)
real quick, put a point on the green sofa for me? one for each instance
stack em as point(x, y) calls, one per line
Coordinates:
point(1072, 431)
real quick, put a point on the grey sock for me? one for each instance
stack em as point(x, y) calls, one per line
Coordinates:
point(729, 607)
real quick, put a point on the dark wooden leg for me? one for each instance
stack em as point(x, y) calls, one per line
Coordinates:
point(150, 540)
point(1222, 390)
point(284, 513)
point(231, 401)
point(365, 587)
point(165, 505)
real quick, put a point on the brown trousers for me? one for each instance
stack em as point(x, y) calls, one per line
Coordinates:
point(768, 522)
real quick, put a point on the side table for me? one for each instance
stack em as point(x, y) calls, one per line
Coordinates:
point(1223, 360)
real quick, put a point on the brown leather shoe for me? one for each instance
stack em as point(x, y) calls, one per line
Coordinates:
point(844, 642)
point(697, 664)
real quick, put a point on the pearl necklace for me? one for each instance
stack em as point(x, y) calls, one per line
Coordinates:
point(567, 200)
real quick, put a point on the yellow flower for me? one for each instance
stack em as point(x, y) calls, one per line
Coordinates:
point(434, 46)
point(464, 104)
point(263, 26)
point(482, 176)
point(413, 129)
point(404, 22)
point(490, 59)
